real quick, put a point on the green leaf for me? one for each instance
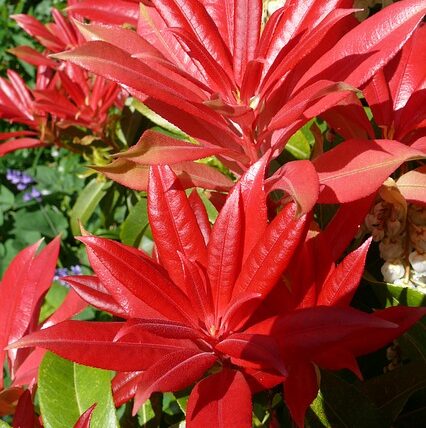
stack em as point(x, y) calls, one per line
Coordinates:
point(86, 203)
point(393, 295)
point(146, 413)
point(47, 221)
point(158, 120)
point(136, 222)
point(341, 404)
point(66, 390)
point(3, 424)
point(7, 198)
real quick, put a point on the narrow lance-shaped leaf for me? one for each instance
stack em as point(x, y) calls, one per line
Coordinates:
point(132, 278)
point(357, 56)
point(173, 223)
point(272, 253)
point(92, 344)
point(341, 285)
point(224, 251)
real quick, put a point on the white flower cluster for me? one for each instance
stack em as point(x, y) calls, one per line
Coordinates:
point(401, 230)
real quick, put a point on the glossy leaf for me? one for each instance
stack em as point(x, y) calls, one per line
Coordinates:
point(272, 253)
point(368, 163)
point(341, 284)
point(412, 185)
point(173, 223)
point(223, 397)
point(80, 388)
point(86, 204)
point(172, 373)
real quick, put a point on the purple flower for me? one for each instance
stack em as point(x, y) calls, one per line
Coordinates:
point(19, 178)
point(33, 194)
point(76, 270)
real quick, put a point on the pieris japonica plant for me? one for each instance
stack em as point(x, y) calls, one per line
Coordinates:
point(285, 134)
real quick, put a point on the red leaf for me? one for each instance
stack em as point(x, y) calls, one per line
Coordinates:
point(172, 373)
point(200, 213)
point(342, 283)
point(173, 223)
point(130, 279)
point(198, 290)
point(18, 144)
point(161, 328)
point(272, 253)
point(300, 180)
point(190, 174)
point(224, 251)
point(91, 290)
point(367, 163)
point(123, 38)
point(108, 11)
point(124, 386)
point(85, 418)
point(17, 295)
point(191, 16)
point(25, 415)
point(223, 399)
point(253, 194)
point(253, 350)
point(155, 148)
point(247, 22)
point(300, 389)
point(412, 185)
point(92, 344)
point(30, 55)
point(358, 55)
point(306, 331)
point(222, 13)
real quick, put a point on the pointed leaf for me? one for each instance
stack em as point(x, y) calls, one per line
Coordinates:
point(357, 55)
point(85, 419)
point(173, 223)
point(224, 251)
point(341, 285)
point(247, 22)
point(300, 180)
point(156, 148)
point(300, 389)
point(223, 398)
point(271, 255)
point(92, 344)
point(131, 277)
point(172, 373)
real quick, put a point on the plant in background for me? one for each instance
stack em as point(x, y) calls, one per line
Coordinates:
point(68, 106)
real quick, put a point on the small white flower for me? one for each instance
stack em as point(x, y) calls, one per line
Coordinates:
point(393, 270)
point(418, 262)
